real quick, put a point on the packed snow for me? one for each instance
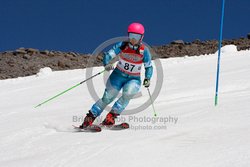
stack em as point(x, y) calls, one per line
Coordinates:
point(44, 71)
point(188, 130)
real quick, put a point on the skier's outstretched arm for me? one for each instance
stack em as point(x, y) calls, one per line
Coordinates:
point(148, 67)
point(112, 53)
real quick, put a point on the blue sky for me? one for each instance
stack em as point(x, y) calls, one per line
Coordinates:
point(81, 25)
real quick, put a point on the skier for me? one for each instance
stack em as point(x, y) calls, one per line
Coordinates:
point(126, 76)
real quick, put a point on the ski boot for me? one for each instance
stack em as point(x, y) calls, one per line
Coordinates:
point(109, 122)
point(88, 120)
point(110, 119)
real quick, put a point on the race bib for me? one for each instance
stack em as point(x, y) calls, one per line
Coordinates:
point(129, 67)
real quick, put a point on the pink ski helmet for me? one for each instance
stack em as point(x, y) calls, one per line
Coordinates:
point(136, 28)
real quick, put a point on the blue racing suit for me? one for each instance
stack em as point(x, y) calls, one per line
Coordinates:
point(130, 84)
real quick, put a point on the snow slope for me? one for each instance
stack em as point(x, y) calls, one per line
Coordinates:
point(195, 133)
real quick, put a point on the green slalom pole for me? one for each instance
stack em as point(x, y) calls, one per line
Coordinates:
point(152, 102)
point(68, 89)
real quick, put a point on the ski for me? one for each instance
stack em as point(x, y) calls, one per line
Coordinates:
point(98, 128)
point(91, 128)
point(121, 126)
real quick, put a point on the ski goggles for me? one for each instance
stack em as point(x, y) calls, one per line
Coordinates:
point(137, 37)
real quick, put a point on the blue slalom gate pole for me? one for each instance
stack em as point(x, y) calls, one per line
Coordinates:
point(219, 52)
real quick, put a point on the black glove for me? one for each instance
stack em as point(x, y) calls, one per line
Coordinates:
point(146, 82)
point(109, 67)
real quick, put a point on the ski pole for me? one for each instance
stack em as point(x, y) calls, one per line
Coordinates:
point(68, 89)
point(151, 102)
